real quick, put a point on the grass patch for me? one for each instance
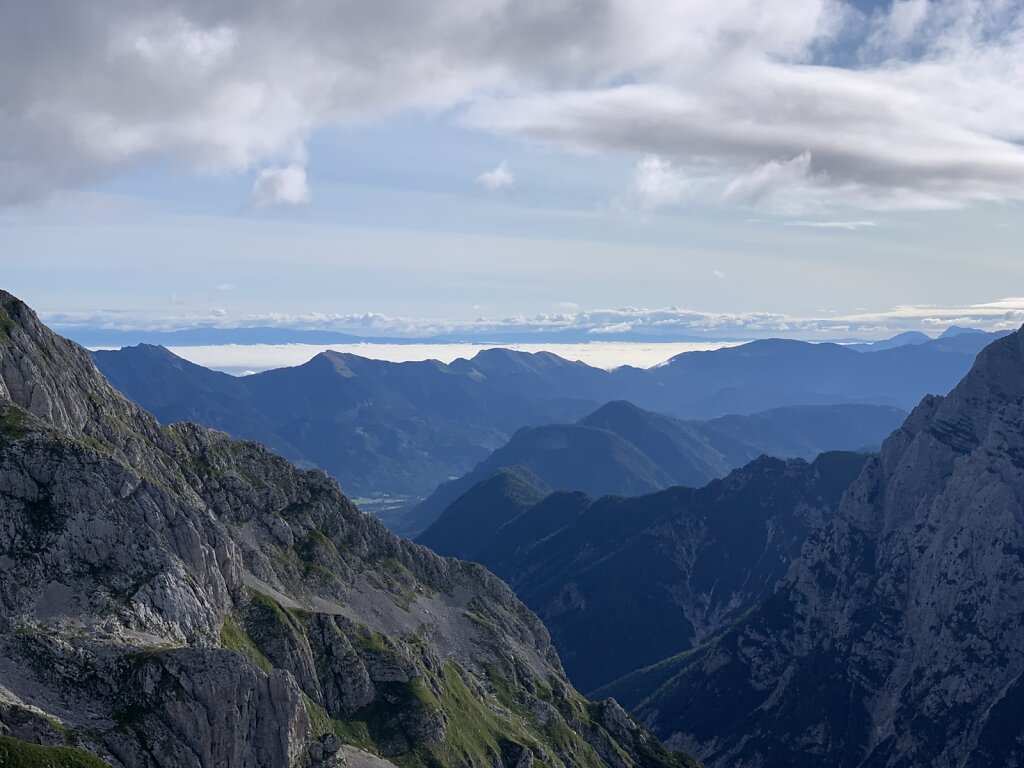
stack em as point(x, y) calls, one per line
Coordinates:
point(373, 642)
point(7, 324)
point(354, 733)
point(20, 754)
point(14, 422)
point(234, 637)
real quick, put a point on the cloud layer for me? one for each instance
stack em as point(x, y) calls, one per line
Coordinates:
point(626, 323)
point(789, 105)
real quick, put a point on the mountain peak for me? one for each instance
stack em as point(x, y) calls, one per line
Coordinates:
point(49, 376)
point(957, 330)
point(243, 610)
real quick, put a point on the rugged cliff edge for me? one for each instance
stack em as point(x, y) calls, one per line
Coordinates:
point(897, 637)
point(170, 597)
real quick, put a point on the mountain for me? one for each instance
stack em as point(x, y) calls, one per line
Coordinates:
point(957, 330)
point(382, 429)
point(622, 449)
point(895, 639)
point(622, 583)
point(899, 340)
point(505, 495)
point(388, 430)
point(171, 597)
point(775, 373)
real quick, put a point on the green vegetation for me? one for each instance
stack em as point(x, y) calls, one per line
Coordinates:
point(20, 754)
point(313, 550)
point(14, 422)
point(234, 637)
point(353, 733)
point(7, 323)
point(374, 642)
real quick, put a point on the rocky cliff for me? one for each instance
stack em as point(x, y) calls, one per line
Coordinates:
point(896, 639)
point(170, 597)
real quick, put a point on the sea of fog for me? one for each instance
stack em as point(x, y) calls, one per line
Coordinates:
point(249, 358)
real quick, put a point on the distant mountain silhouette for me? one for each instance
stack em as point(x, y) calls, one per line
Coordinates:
point(622, 449)
point(956, 330)
point(386, 429)
point(899, 340)
point(399, 428)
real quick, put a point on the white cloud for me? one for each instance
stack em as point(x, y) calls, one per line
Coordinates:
point(656, 183)
point(498, 179)
point(928, 117)
point(847, 225)
point(778, 183)
point(281, 186)
point(1003, 314)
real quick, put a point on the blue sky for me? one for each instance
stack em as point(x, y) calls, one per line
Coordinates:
point(742, 167)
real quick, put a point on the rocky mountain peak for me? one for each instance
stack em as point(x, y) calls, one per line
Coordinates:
point(169, 596)
point(43, 374)
point(895, 638)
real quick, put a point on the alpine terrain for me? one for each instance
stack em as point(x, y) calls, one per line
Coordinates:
point(170, 597)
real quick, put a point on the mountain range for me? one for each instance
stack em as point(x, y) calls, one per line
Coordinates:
point(171, 597)
point(621, 449)
point(387, 430)
point(381, 429)
point(860, 611)
point(895, 639)
point(622, 583)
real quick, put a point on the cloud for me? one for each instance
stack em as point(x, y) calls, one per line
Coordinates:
point(914, 105)
point(285, 186)
point(498, 179)
point(847, 225)
point(762, 110)
point(781, 183)
point(625, 322)
point(657, 183)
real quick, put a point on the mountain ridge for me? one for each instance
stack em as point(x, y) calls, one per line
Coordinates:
point(385, 439)
point(623, 582)
point(894, 638)
point(174, 597)
point(621, 449)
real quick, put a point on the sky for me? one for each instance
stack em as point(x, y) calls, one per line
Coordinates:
point(707, 168)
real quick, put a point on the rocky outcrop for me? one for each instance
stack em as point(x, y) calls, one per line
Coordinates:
point(170, 597)
point(896, 638)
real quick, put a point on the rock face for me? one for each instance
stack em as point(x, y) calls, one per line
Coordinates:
point(896, 638)
point(622, 583)
point(170, 597)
